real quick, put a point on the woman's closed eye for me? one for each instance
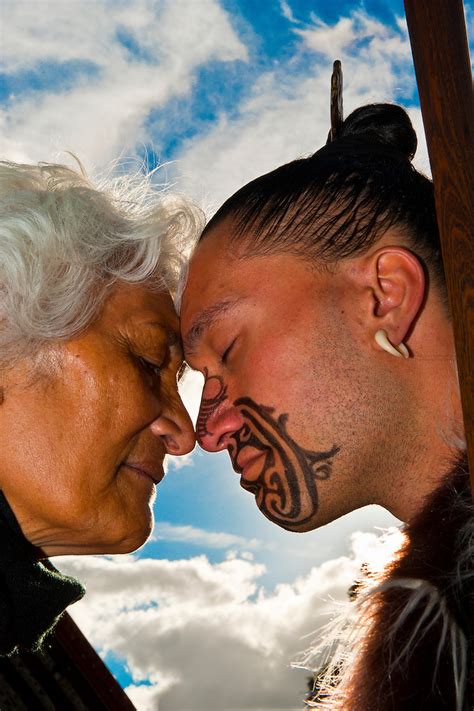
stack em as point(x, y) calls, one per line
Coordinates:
point(150, 368)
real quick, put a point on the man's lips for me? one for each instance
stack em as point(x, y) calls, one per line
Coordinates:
point(249, 467)
point(147, 469)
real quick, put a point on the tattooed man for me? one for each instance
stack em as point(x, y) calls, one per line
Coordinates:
point(315, 307)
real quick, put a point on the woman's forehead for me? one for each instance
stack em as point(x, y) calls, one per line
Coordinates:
point(136, 306)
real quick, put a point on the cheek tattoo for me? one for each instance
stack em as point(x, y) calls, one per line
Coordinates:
point(213, 394)
point(285, 487)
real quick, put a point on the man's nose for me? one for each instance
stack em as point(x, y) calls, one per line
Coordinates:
point(175, 429)
point(215, 430)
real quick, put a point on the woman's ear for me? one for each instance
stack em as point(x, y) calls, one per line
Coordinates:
point(398, 291)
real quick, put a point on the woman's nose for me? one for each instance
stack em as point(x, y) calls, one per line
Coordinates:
point(215, 430)
point(175, 428)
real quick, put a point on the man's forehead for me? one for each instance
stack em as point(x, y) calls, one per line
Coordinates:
point(210, 282)
point(203, 319)
point(211, 257)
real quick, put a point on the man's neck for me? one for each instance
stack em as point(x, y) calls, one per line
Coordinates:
point(439, 439)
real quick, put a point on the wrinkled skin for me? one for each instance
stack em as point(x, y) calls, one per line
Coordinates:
point(83, 441)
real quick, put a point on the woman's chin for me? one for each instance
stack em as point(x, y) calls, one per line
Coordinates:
point(130, 540)
point(132, 543)
point(109, 543)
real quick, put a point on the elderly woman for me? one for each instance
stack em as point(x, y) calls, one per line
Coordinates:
point(89, 359)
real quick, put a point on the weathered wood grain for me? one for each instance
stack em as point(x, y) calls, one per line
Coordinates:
point(337, 113)
point(441, 55)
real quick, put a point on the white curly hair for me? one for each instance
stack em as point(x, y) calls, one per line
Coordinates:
point(64, 243)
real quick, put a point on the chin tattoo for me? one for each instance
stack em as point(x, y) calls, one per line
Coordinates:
point(286, 485)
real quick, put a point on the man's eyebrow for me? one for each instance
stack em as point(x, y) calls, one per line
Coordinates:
point(204, 320)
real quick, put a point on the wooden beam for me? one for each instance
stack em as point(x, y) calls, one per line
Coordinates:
point(440, 50)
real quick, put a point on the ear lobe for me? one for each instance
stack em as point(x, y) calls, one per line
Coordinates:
point(399, 291)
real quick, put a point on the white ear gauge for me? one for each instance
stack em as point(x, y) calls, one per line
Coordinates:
point(403, 350)
point(400, 351)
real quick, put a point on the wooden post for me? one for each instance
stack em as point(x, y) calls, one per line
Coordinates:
point(441, 55)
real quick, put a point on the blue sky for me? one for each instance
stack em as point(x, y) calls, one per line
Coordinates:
point(219, 91)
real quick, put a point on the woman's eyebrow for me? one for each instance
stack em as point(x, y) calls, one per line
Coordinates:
point(204, 320)
point(172, 336)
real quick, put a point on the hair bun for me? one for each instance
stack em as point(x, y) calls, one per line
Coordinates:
point(385, 124)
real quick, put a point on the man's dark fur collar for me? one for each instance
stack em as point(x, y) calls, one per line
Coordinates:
point(410, 646)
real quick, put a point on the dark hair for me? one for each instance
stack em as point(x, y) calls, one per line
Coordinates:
point(340, 201)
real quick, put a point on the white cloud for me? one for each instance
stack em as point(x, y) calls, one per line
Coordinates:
point(287, 12)
point(195, 630)
point(286, 115)
point(103, 115)
point(199, 537)
point(185, 461)
point(329, 40)
point(146, 697)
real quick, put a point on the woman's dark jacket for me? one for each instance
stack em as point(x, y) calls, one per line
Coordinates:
point(33, 594)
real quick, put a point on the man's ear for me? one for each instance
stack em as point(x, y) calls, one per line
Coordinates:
point(398, 289)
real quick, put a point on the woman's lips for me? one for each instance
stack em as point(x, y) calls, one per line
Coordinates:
point(150, 471)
